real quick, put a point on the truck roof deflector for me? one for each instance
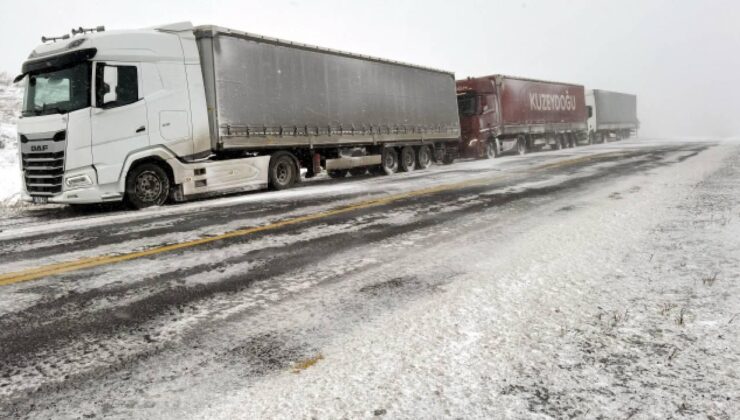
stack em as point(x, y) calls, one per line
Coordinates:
point(56, 61)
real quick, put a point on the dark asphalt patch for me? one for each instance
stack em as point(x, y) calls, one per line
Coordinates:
point(267, 352)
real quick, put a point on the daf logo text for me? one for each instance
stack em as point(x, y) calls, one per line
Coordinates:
point(39, 148)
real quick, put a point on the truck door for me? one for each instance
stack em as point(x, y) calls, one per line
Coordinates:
point(490, 115)
point(119, 119)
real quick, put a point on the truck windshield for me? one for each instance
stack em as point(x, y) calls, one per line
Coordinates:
point(58, 91)
point(467, 105)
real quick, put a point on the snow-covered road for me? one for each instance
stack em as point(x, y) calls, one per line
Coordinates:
point(588, 282)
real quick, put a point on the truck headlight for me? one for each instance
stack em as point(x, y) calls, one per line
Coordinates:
point(78, 181)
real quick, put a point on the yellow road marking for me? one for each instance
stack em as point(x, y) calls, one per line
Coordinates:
point(65, 267)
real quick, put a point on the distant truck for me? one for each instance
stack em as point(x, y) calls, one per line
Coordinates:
point(178, 111)
point(500, 113)
point(611, 115)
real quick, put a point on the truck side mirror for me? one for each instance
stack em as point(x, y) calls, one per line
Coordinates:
point(590, 111)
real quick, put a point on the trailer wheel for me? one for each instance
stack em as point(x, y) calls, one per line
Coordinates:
point(423, 157)
point(557, 144)
point(521, 146)
point(389, 164)
point(407, 160)
point(147, 185)
point(283, 171)
point(337, 173)
point(358, 171)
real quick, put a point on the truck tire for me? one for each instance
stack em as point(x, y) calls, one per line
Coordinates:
point(283, 172)
point(521, 146)
point(389, 164)
point(407, 160)
point(556, 144)
point(337, 173)
point(448, 158)
point(147, 185)
point(423, 157)
point(490, 149)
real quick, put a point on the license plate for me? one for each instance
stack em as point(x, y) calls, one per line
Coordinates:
point(40, 200)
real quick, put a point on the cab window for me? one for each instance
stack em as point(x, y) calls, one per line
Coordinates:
point(116, 85)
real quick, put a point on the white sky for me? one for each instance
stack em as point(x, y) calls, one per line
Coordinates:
point(682, 58)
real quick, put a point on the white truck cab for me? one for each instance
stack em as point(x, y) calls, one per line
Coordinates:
point(105, 113)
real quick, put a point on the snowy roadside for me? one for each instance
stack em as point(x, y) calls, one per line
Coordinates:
point(623, 305)
point(10, 179)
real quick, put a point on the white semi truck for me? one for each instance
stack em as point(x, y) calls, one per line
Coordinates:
point(178, 111)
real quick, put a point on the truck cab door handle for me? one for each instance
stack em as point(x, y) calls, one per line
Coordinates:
point(141, 129)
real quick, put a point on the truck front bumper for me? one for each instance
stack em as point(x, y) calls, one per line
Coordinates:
point(74, 193)
point(90, 195)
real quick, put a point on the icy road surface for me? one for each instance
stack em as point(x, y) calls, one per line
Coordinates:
point(593, 282)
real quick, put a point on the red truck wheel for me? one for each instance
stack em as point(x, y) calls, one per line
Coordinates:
point(521, 145)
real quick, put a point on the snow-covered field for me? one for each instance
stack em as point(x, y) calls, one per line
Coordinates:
point(10, 178)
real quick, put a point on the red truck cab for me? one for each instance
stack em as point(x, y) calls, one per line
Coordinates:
point(479, 116)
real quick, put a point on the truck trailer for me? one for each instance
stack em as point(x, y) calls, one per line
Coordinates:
point(500, 113)
point(611, 115)
point(178, 111)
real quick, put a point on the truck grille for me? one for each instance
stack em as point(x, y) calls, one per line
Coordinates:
point(43, 170)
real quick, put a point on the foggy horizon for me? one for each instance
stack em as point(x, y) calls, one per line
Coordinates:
point(675, 56)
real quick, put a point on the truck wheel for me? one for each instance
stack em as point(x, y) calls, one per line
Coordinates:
point(390, 161)
point(147, 185)
point(337, 173)
point(521, 146)
point(448, 158)
point(423, 157)
point(283, 171)
point(490, 149)
point(555, 143)
point(408, 159)
point(358, 171)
